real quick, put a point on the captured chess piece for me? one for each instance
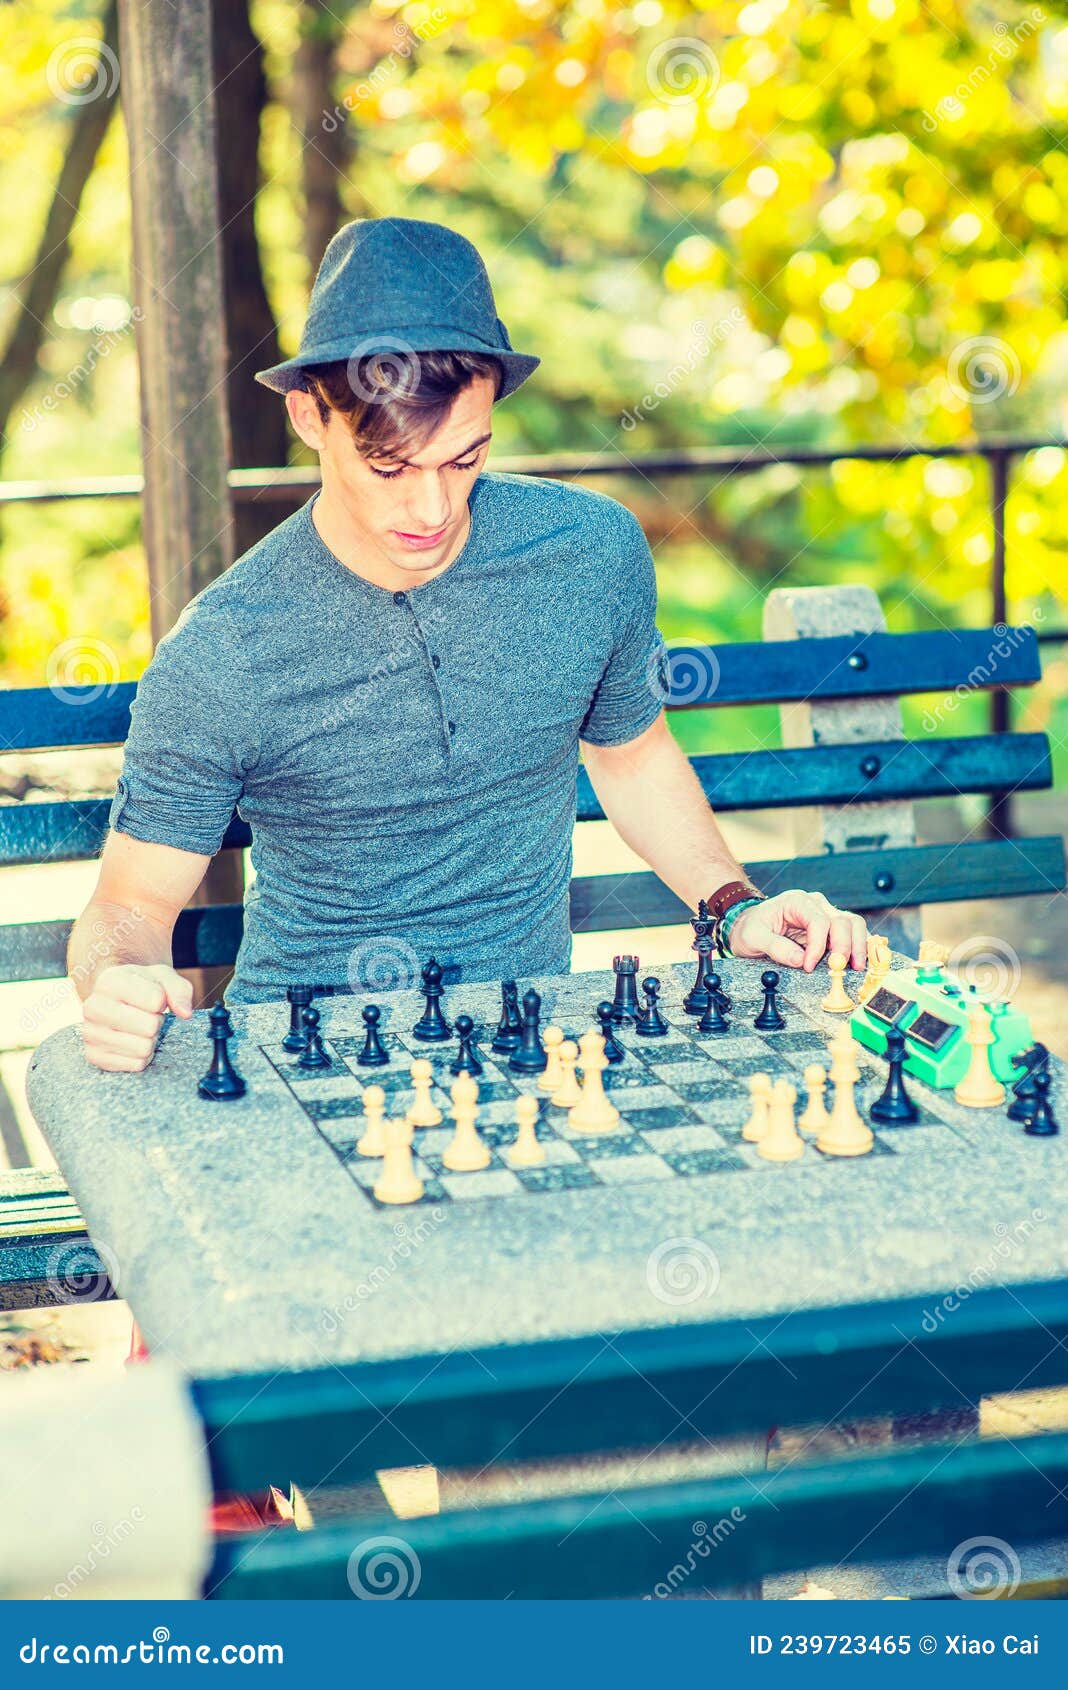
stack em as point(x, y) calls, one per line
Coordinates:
point(814, 1116)
point(313, 1055)
point(528, 1150)
point(467, 1060)
point(713, 1019)
point(769, 1019)
point(649, 1023)
point(1042, 1123)
point(222, 1081)
point(506, 1038)
point(845, 1134)
point(838, 1000)
point(398, 1181)
point(612, 1047)
point(529, 1055)
point(551, 1075)
point(423, 1111)
point(299, 999)
point(879, 957)
point(979, 1088)
point(593, 1113)
point(625, 1002)
point(932, 954)
point(895, 1107)
point(466, 1152)
point(760, 1096)
point(569, 1092)
point(1024, 1091)
point(372, 1141)
point(782, 1142)
point(374, 1053)
point(432, 1026)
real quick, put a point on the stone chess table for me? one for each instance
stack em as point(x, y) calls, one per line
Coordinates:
point(246, 1237)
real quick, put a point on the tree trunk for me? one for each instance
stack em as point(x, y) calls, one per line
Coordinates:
point(323, 129)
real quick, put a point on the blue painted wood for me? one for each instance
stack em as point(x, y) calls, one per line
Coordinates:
point(644, 1542)
point(539, 1400)
point(771, 671)
point(822, 774)
point(28, 1272)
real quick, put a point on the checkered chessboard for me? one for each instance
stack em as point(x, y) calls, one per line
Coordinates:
point(683, 1100)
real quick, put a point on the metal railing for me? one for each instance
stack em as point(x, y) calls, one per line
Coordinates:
point(292, 485)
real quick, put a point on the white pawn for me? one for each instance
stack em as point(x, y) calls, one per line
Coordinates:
point(593, 1112)
point(373, 1140)
point(551, 1075)
point(569, 1092)
point(838, 1000)
point(781, 1142)
point(814, 1116)
point(760, 1093)
point(528, 1150)
point(466, 1152)
point(423, 1113)
point(398, 1181)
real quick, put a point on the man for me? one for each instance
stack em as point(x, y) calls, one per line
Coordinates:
point(393, 685)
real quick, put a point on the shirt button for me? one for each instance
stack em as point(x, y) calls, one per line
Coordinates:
point(452, 727)
point(436, 661)
point(400, 598)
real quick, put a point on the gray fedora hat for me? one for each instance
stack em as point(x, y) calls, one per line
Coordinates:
point(396, 284)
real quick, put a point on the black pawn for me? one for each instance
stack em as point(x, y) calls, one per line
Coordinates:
point(1023, 1090)
point(506, 1038)
point(612, 1048)
point(895, 1106)
point(222, 1080)
point(299, 999)
point(625, 1003)
point(313, 1055)
point(713, 1020)
point(650, 1024)
point(374, 1053)
point(467, 1061)
point(432, 1025)
point(769, 1020)
point(1042, 1123)
point(529, 1056)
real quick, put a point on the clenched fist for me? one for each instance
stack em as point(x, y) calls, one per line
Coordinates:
point(124, 1013)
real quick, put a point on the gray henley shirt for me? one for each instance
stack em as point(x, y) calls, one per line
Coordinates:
point(406, 761)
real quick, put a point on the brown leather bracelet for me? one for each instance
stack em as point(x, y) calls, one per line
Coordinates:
point(735, 892)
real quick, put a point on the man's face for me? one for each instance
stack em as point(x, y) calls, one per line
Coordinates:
point(412, 511)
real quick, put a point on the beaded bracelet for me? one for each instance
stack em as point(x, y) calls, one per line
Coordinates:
point(726, 922)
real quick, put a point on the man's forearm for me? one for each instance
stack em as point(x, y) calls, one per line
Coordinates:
point(651, 795)
point(106, 933)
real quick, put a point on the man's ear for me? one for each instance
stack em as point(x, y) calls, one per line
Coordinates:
point(304, 415)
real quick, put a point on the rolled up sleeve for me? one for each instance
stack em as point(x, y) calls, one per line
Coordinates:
point(188, 750)
point(635, 682)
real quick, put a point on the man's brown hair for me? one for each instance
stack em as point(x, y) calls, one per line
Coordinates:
point(393, 402)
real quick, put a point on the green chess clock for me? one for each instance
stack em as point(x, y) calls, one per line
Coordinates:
point(932, 1012)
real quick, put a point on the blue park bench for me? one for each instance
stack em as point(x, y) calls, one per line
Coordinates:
point(546, 1401)
point(846, 682)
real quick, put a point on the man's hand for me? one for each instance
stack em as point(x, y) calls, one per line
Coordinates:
point(124, 1013)
point(796, 928)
